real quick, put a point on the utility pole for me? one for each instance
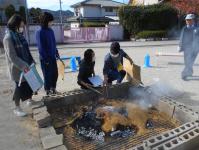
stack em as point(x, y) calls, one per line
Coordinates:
point(27, 22)
point(61, 20)
point(61, 16)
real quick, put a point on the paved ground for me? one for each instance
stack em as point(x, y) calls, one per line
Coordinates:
point(21, 134)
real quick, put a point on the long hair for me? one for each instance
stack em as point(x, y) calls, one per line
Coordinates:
point(14, 22)
point(88, 55)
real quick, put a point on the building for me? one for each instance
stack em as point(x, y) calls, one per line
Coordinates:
point(95, 11)
point(144, 2)
point(5, 3)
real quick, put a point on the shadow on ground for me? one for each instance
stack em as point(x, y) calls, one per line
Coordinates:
point(179, 64)
point(193, 78)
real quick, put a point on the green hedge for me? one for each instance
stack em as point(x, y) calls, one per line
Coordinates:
point(93, 24)
point(151, 34)
point(154, 17)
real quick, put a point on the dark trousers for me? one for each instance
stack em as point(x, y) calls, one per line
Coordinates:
point(115, 75)
point(50, 73)
point(22, 92)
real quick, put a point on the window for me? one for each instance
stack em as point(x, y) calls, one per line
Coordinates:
point(77, 12)
point(109, 9)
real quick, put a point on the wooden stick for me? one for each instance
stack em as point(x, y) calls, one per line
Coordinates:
point(94, 90)
point(68, 123)
point(105, 91)
point(173, 111)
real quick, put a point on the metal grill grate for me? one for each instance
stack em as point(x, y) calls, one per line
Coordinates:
point(77, 143)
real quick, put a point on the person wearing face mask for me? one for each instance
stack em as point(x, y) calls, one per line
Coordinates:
point(189, 45)
point(48, 53)
point(19, 60)
point(86, 69)
point(113, 64)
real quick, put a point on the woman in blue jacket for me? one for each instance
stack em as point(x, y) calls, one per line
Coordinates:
point(48, 53)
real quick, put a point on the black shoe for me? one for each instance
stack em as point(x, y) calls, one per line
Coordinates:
point(55, 92)
point(49, 92)
point(185, 78)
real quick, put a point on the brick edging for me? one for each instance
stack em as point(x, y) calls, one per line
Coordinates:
point(49, 139)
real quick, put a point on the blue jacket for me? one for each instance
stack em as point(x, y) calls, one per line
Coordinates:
point(46, 44)
point(109, 64)
point(189, 38)
point(196, 40)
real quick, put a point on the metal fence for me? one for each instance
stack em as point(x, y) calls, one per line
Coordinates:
point(89, 34)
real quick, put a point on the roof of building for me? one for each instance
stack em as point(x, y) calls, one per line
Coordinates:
point(102, 3)
point(92, 19)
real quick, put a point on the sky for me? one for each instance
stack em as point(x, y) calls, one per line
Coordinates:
point(54, 4)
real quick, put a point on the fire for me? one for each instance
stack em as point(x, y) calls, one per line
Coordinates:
point(112, 119)
point(136, 116)
point(108, 119)
point(117, 116)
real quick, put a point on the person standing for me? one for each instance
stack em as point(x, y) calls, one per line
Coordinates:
point(19, 59)
point(48, 53)
point(113, 64)
point(189, 45)
point(86, 69)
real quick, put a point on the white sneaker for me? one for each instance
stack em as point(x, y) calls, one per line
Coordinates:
point(29, 102)
point(19, 112)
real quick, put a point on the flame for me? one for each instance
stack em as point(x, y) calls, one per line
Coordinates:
point(136, 116)
point(112, 119)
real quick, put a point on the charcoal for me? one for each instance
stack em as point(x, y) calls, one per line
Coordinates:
point(123, 131)
point(149, 124)
point(109, 108)
point(117, 133)
point(91, 134)
point(89, 127)
point(88, 120)
point(123, 111)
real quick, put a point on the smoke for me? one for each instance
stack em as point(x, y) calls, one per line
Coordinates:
point(149, 96)
point(174, 32)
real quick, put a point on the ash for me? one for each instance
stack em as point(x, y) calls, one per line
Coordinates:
point(89, 127)
point(123, 131)
point(91, 134)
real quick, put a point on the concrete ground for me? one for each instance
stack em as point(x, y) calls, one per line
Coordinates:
point(21, 133)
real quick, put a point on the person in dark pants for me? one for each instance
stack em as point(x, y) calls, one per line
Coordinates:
point(86, 69)
point(189, 45)
point(19, 59)
point(48, 53)
point(113, 64)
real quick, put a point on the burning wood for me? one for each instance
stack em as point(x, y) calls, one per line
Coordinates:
point(126, 114)
point(111, 119)
point(114, 118)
